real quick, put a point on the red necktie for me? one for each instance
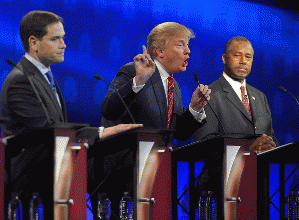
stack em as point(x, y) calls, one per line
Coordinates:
point(170, 99)
point(245, 101)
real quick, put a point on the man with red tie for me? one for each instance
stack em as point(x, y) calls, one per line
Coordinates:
point(151, 93)
point(241, 108)
point(144, 85)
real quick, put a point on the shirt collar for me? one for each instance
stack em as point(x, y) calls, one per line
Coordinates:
point(163, 73)
point(235, 84)
point(41, 67)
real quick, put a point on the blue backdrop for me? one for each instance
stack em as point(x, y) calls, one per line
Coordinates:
point(103, 35)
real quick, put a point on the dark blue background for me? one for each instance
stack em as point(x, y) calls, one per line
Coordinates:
point(103, 35)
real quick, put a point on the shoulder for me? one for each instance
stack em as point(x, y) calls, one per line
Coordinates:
point(129, 67)
point(218, 84)
point(16, 75)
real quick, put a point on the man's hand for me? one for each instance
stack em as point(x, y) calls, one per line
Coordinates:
point(119, 129)
point(263, 143)
point(145, 67)
point(198, 101)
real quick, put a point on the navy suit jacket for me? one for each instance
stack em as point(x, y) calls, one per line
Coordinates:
point(148, 106)
point(233, 115)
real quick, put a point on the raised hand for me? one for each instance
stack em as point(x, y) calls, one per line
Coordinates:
point(145, 67)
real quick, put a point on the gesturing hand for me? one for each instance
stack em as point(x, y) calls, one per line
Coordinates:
point(198, 101)
point(145, 67)
point(119, 129)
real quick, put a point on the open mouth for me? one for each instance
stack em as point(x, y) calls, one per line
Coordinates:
point(185, 62)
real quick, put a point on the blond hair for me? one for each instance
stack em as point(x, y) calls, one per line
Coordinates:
point(158, 37)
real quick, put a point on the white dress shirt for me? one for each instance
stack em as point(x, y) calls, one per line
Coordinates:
point(236, 85)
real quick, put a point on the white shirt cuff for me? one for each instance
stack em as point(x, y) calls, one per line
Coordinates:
point(136, 88)
point(101, 130)
point(199, 116)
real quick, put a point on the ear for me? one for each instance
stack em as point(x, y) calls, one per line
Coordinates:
point(224, 58)
point(34, 43)
point(159, 52)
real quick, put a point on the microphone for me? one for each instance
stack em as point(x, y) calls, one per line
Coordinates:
point(98, 77)
point(284, 90)
point(221, 125)
point(12, 63)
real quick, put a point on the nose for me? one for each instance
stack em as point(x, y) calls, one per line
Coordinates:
point(187, 50)
point(242, 60)
point(62, 44)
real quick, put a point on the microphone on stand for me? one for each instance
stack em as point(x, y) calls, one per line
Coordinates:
point(221, 125)
point(98, 77)
point(284, 90)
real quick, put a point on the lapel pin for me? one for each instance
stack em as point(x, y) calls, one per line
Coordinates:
point(253, 97)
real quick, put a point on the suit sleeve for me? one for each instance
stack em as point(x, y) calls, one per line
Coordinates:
point(112, 107)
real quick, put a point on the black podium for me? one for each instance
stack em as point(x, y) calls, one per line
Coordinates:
point(51, 162)
point(231, 168)
point(281, 155)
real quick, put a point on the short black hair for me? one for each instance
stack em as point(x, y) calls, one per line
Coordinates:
point(35, 24)
point(238, 38)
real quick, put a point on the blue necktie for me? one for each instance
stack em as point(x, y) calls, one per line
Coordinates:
point(52, 83)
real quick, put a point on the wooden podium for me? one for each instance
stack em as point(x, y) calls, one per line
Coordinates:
point(236, 178)
point(66, 164)
point(149, 166)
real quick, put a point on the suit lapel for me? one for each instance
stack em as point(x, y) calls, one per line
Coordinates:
point(160, 97)
point(233, 97)
point(252, 96)
point(39, 79)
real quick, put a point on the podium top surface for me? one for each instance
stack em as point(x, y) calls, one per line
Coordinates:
point(223, 136)
point(283, 153)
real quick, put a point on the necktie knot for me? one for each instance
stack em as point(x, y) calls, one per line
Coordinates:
point(50, 77)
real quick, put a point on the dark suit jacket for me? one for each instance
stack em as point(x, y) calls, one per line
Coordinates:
point(233, 115)
point(31, 156)
point(235, 120)
point(19, 102)
point(32, 163)
point(148, 106)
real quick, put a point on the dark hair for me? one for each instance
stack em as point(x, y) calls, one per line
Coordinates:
point(35, 24)
point(238, 38)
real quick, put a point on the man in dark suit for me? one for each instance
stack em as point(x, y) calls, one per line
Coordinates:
point(144, 86)
point(226, 100)
point(31, 100)
point(241, 112)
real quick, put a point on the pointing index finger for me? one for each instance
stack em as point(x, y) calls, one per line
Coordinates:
point(144, 49)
